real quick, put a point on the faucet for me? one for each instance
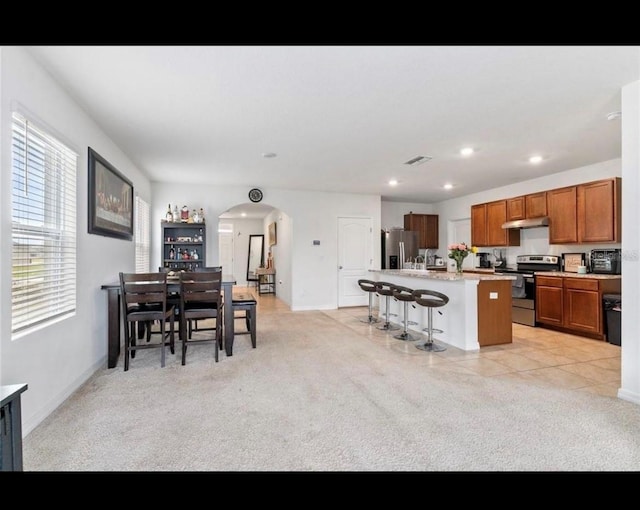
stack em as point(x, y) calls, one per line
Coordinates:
point(419, 257)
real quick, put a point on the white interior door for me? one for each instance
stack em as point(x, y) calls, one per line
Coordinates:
point(460, 232)
point(225, 251)
point(355, 258)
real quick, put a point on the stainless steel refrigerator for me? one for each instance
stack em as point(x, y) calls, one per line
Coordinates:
point(398, 246)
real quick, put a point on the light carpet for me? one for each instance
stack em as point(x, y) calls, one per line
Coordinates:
point(325, 392)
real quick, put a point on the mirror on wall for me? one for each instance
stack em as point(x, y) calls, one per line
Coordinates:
point(256, 256)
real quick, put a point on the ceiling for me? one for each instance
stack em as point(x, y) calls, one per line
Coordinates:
point(347, 118)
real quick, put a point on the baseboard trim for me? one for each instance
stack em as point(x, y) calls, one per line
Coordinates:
point(629, 396)
point(312, 308)
point(55, 402)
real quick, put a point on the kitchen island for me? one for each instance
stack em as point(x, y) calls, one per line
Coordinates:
point(478, 313)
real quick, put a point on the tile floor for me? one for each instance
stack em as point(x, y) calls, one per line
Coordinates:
point(537, 355)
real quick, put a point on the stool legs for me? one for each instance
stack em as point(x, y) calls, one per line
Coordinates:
point(430, 345)
point(405, 335)
point(386, 325)
point(370, 319)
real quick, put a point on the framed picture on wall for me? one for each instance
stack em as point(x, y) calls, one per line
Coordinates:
point(110, 200)
point(272, 234)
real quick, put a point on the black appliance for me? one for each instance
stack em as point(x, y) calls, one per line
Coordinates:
point(612, 304)
point(523, 288)
point(607, 261)
point(483, 259)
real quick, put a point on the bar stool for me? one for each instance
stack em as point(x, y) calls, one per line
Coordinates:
point(430, 299)
point(404, 294)
point(370, 287)
point(386, 289)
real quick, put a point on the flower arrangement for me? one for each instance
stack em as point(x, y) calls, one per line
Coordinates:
point(458, 252)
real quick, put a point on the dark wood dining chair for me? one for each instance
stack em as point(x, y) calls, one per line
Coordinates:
point(144, 300)
point(192, 325)
point(201, 298)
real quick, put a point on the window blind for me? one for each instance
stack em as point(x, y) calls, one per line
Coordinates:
point(142, 235)
point(43, 226)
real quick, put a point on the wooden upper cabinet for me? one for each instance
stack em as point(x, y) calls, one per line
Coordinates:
point(599, 211)
point(496, 216)
point(515, 209)
point(427, 227)
point(562, 212)
point(536, 205)
point(479, 225)
point(486, 225)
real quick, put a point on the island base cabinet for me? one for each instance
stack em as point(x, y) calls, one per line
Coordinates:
point(494, 312)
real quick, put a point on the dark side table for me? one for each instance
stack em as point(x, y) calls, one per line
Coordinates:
point(11, 427)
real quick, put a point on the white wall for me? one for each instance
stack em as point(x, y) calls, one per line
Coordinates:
point(313, 215)
point(630, 388)
point(56, 360)
point(393, 212)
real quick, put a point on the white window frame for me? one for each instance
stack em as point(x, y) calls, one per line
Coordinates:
point(142, 235)
point(43, 227)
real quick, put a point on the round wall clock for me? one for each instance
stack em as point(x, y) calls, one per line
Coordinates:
point(255, 195)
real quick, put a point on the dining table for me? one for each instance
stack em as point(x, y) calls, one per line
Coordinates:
point(173, 285)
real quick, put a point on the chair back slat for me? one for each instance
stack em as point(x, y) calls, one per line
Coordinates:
point(201, 287)
point(143, 288)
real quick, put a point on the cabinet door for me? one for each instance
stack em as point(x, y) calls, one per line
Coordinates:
point(431, 234)
point(496, 235)
point(536, 205)
point(599, 211)
point(582, 310)
point(549, 305)
point(562, 209)
point(515, 209)
point(479, 225)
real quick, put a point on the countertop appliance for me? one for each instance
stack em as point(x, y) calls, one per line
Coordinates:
point(397, 247)
point(606, 261)
point(523, 289)
point(483, 259)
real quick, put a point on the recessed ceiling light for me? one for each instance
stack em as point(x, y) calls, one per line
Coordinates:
point(448, 186)
point(243, 214)
point(467, 151)
point(535, 159)
point(614, 115)
point(393, 182)
point(269, 154)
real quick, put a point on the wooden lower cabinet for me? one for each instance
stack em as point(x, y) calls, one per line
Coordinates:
point(549, 301)
point(574, 304)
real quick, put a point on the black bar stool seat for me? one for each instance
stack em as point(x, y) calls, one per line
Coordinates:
point(386, 289)
point(430, 299)
point(370, 287)
point(404, 294)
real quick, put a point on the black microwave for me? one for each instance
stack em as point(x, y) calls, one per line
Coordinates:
point(607, 261)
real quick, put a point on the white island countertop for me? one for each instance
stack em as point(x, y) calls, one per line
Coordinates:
point(442, 275)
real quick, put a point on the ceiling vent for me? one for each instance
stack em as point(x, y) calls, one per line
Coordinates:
point(418, 160)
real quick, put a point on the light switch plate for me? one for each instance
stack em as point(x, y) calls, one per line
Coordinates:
point(493, 295)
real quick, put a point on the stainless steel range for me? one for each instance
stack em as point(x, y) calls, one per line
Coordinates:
point(523, 289)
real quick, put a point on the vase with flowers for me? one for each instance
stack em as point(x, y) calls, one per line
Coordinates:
point(459, 252)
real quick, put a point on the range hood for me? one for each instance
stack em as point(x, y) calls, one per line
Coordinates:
point(543, 221)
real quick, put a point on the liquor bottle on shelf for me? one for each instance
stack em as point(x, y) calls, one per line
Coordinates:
point(176, 216)
point(201, 217)
point(169, 216)
point(172, 253)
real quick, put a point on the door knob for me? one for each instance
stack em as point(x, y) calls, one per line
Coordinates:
point(339, 267)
